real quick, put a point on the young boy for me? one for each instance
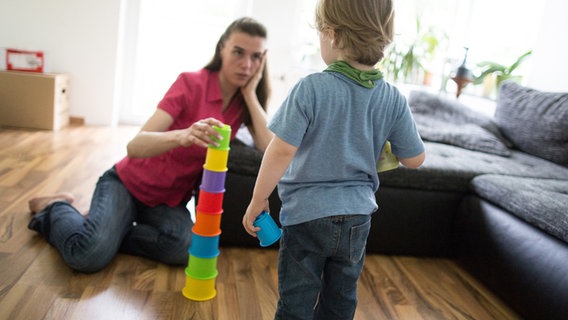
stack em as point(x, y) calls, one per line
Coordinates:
point(329, 133)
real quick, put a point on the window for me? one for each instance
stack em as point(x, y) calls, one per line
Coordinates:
point(493, 30)
point(171, 36)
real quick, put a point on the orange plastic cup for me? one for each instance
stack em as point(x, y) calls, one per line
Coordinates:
point(207, 223)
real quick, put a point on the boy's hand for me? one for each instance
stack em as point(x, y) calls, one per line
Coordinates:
point(253, 211)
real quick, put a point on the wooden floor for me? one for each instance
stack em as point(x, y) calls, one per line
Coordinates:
point(35, 284)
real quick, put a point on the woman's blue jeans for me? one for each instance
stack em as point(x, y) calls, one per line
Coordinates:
point(117, 222)
point(319, 264)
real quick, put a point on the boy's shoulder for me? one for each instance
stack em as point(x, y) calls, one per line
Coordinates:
point(322, 79)
point(316, 76)
point(313, 81)
point(328, 79)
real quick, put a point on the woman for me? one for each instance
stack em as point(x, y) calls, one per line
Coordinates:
point(139, 205)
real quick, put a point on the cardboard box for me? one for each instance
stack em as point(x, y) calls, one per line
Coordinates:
point(34, 100)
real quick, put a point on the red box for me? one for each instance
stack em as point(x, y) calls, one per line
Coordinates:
point(23, 60)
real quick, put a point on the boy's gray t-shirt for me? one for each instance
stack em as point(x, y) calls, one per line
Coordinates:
point(339, 128)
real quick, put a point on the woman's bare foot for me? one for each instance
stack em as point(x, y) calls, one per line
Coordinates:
point(37, 204)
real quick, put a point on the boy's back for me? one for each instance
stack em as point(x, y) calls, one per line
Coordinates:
point(339, 128)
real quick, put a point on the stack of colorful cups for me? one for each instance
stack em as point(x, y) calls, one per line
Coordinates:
point(201, 270)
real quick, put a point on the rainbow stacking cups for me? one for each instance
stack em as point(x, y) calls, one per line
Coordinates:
point(201, 271)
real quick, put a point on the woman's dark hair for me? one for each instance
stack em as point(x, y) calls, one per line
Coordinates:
point(254, 28)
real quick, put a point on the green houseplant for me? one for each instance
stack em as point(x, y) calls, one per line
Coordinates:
point(408, 61)
point(499, 71)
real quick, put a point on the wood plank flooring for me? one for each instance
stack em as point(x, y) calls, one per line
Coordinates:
point(36, 284)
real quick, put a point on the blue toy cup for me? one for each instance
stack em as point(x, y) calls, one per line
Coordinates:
point(204, 246)
point(269, 232)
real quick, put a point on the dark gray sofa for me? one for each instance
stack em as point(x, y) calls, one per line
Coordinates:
point(492, 194)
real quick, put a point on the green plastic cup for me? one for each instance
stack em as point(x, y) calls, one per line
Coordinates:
point(225, 132)
point(201, 268)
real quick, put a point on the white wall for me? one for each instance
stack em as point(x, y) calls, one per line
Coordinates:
point(550, 56)
point(292, 51)
point(79, 38)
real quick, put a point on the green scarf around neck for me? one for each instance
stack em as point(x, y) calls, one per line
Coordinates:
point(365, 78)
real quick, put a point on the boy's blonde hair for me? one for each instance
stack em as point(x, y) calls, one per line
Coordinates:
point(363, 28)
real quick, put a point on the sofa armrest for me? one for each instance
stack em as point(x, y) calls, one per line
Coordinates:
point(522, 264)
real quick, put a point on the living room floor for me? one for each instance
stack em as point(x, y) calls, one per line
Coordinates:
point(36, 284)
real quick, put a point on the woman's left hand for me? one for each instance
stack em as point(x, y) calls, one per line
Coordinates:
point(250, 86)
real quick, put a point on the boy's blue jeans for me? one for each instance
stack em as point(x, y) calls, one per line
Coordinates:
point(319, 264)
point(116, 222)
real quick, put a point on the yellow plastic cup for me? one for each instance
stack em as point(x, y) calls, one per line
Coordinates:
point(216, 160)
point(199, 290)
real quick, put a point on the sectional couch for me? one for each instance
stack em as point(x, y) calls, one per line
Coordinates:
point(492, 194)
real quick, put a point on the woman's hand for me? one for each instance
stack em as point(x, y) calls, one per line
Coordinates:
point(258, 129)
point(201, 133)
point(250, 86)
point(155, 139)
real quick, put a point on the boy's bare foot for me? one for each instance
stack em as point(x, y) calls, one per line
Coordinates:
point(37, 204)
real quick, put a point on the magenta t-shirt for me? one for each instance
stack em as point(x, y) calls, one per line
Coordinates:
point(171, 177)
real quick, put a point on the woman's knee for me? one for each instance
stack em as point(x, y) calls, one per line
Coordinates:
point(89, 257)
point(176, 249)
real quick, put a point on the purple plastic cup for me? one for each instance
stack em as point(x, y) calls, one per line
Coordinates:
point(213, 181)
point(269, 232)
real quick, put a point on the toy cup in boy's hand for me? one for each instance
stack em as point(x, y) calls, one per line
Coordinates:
point(269, 232)
point(387, 160)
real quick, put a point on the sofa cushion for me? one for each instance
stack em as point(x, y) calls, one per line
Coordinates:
point(465, 135)
point(536, 122)
point(441, 119)
point(244, 159)
point(451, 168)
point(540, 202)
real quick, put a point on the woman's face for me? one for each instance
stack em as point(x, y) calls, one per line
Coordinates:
point(241, 57)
